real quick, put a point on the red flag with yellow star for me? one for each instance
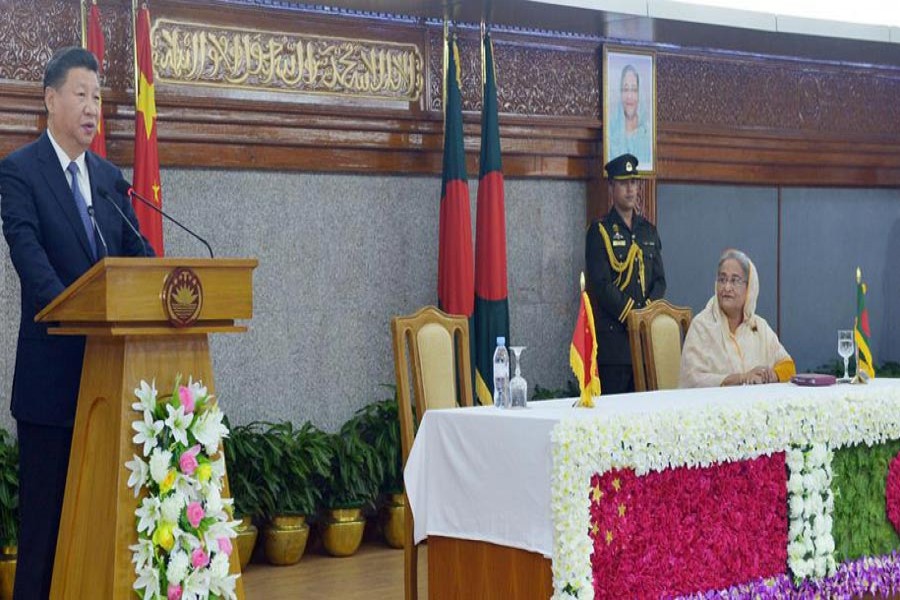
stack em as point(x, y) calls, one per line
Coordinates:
point(96, 45)
point(146, 154)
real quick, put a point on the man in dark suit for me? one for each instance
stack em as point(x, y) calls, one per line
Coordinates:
point(623, 259)
point(56, 203)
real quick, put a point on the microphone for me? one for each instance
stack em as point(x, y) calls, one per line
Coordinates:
point(123, 187)
point(90, 210)
point(112, 201)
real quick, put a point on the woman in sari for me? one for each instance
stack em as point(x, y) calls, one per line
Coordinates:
point(728, 343)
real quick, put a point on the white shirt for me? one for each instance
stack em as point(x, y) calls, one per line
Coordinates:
point(84, 178)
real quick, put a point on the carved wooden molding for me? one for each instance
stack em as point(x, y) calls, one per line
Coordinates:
point(722, 118)
point(532, 78)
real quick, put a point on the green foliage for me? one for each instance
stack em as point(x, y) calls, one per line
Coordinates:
point(9, 490)
point(861, 527)
point(379, 426)
point(570, 391)
point(276, 469)
point(356, 471)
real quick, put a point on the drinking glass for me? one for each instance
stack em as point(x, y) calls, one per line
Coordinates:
point(518, 387)
point(845, 349)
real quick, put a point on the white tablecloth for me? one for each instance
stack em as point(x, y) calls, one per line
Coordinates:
point(484, 473)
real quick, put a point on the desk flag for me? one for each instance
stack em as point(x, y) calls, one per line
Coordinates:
point(491, 296)
point(456, 271)
point(96, 45)
point(865, 365)
point(146, 153)
point(583, 352)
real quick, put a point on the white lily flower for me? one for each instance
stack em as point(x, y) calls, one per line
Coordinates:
point(178, 423)
point(142, 554)
point(196, 585)
point(160, 463)
point(148, 515)
point(147, 432)
point(147, 396)
point(147, 580)
point(209, 430)
point(220, 582)
point(140, 471)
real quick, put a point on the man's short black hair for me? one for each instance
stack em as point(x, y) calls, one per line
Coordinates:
point(66, 59)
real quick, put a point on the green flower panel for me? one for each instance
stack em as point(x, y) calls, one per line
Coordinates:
point(861, 527)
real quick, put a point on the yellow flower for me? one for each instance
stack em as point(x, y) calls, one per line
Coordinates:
point(164, 536)
point(204, 472)
point(168, 482)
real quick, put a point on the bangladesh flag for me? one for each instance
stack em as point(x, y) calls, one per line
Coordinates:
point(864, 363)
point(491, 296)
point(456, 294)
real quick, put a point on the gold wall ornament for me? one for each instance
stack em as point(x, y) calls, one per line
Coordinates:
point(212, 55)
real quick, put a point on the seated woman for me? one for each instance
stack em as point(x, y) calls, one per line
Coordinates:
point(728, 343)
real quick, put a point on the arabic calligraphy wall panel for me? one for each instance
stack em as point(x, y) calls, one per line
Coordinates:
point(270, 84)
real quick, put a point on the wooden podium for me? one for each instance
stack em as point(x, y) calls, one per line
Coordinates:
point(144, 318)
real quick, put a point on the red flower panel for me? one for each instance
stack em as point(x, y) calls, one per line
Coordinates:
point(688, 530)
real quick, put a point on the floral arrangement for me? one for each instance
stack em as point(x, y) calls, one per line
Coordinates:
point(184, 525)
point(811, 503)
point(867, 577)
point(698, 538)
point(703, 436)
point(892, 493)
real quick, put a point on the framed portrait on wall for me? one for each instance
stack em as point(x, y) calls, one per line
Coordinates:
point(629, 105)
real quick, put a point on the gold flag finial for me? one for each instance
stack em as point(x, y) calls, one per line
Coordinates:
point(582, 281)
point(858, 275)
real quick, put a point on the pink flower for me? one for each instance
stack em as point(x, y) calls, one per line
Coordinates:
point(199, 558)
point(225, 545)
point(187, 399)
point(174, 592)
point(187, 462)
point(195, 514)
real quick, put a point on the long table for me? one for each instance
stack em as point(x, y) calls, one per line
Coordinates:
point(480, 481)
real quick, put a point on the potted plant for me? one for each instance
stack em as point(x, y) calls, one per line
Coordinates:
point(246, 483)
point(293, 461)
point(352, 484)
point(9, 512)
point(378, 425)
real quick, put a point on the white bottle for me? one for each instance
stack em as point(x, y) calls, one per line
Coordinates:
point(501, 374)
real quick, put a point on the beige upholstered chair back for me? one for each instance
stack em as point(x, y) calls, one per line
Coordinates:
point(427, 345)
point(657, 334)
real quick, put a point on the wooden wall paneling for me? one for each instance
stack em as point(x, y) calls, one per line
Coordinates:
point(727, 118)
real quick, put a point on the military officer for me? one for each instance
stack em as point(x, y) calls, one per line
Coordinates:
point(623, 258)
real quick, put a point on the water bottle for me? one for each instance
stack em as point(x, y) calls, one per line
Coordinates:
point(501, 374)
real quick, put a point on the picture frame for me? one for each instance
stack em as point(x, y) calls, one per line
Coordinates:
point(629, 105)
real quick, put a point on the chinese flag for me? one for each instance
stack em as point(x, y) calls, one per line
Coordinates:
point(583, 353)
point(96, 45)
point(146, 155)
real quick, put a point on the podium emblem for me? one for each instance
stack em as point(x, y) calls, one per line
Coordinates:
point(182, 297)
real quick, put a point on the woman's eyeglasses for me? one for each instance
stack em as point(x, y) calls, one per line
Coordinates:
point(736, 282)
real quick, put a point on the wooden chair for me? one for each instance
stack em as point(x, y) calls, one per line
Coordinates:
point(428, 344)
point(657, 334)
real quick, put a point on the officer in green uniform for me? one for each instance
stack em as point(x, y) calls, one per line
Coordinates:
point(623, 258)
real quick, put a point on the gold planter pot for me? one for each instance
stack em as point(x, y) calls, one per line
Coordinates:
point(246, 540)
point(8, 560)
point(285, 539)
point(393, 519)
point(342, 531)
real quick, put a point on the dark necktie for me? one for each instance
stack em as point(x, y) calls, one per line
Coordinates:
point(82, 208)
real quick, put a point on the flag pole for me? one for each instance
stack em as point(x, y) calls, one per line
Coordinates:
point(856, 377)
point(83, 24)
point(134, 39)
